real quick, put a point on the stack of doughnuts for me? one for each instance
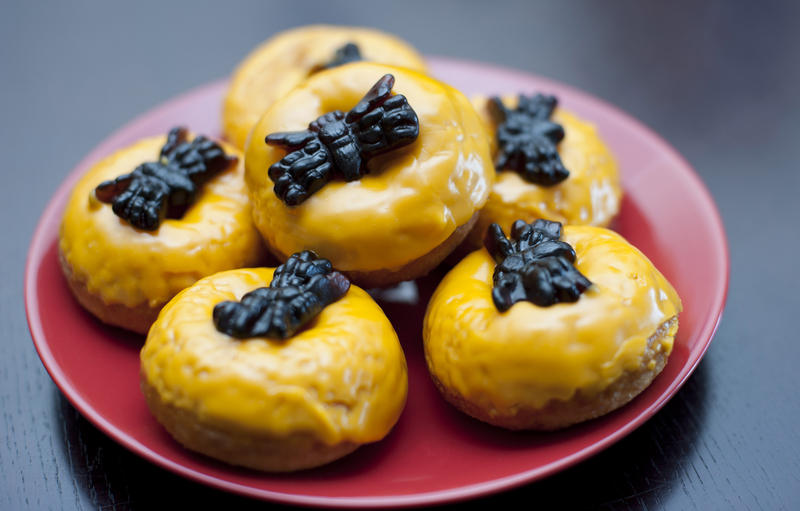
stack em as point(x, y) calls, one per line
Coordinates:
point(343, 165)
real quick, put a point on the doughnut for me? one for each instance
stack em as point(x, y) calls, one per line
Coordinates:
point(286, 59)
point(589, 195)
point(525, 339)
point(272, 403)
point(391, 219)
point(123, 272)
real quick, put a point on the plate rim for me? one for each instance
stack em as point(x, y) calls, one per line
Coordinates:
point(39, 245)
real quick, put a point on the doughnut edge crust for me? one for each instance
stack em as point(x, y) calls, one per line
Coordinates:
point(124, 275)
point(410, 203)
point(545, 368)
point(273, 405)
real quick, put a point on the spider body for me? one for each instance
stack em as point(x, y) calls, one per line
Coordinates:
point(339, 144)
point(167, 187)
point(300, 289)
point(527, 140)
point(350, 52)
point(534, 265)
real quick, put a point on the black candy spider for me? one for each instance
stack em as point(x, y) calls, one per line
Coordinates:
point(533, 265)
point(348, 53)
point(339, 144)
point(167, 187)
point(300, 289)
point(527, 140)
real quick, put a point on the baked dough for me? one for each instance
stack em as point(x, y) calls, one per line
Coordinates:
point(591, 195)
point(546, 368)
point(273, 405)
point(387, 226)
point(286, 59)
point(124, 275)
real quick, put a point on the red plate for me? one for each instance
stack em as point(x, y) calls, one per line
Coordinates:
point(667, 213)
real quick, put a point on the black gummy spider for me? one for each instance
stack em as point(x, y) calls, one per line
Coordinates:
point(533, 265)
point(339, 144)
point(300, 289)
point(527, 140)
point(167, 187)
point(348, 53)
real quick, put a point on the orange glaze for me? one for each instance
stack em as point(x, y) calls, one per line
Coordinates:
point(413, 198)
point(288, 58)
point(341, 378)
point(591, 194)
point(530, 355)
point(124, 265)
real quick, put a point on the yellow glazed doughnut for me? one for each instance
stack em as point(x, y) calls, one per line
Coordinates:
point(545, 368)
point(591, 194)
point(124, 275)
point(416, 204)
point(288, 58)
point(275, 405)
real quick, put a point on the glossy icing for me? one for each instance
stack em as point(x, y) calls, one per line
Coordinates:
point(414, 197)
point(127, 266)
point(343, 378)
point(282, 62)
point(529, 354)
point(591, 194)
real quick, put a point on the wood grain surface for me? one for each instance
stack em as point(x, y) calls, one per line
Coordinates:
point(718, 80)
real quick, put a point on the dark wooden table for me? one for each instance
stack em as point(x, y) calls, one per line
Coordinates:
point(718, 80)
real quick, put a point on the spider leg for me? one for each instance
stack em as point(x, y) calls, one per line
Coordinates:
point(498, 110)
point(554, 132)
point(508, 290)
point(538, 284)
point(400, 122)
point(315, 179)
point(379, 93)
point(290, 140)
point(176, 137)
point(520, 231)
point(142, 204)
point(108, 190)
point(497, 244)
point(548, 228)
point(329, 118)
